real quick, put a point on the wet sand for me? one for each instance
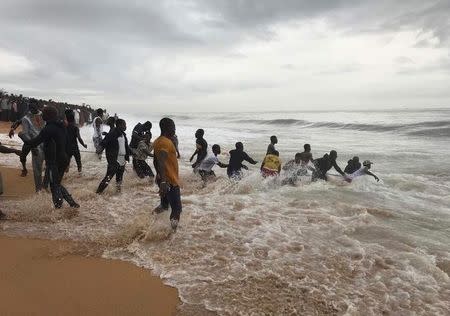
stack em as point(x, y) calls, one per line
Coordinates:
point(47, 277)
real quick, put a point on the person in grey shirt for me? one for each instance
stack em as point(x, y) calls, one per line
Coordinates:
point(32, 124)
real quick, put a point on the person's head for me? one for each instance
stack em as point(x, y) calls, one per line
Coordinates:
point(273, 139)
point(99, 112)
point(276, 153)
point(333, 154)
point(147, 126)
point(239, 146)
point(33, 106)
point(307, 147)
point(298, 157)
point(167, 126)
point(111, 122)
point(121, 125)
point(216, 149)
point(148, 137)
point(367, 164)
point(355, 159)
point(49, 114)
point(70, 118)
point(199, 133)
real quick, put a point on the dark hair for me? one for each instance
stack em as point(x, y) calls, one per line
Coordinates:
point(111, 121)
point(49, 113)
point(215, 146)
point(165, 123)
point(239, 145)
point(307, 146)
point(120, 122)
point(147, 125)
point(200, 132)
point(99, 112)
point(70, 117)
point(333, 153)
point(273, 138)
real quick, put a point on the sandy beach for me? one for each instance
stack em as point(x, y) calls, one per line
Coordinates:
point(48, 277)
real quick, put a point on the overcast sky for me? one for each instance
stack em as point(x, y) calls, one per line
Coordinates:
point(228, 55)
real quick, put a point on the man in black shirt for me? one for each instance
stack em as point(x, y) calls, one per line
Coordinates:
point(324, 164)
point(54, 137)
point(237, 156)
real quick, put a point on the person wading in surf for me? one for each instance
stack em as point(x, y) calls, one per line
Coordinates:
point(363, 171)
point(235, 166)
point(322, 165)
point(166, 165)
point(201, 149)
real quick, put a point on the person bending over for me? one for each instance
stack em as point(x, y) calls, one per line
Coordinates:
point(352, 165)
point(205, 168)
point(167, 178)
point(235, 166)
point(54, 138)
point(363, 171)
point(322, 165)
point(117, 154)
point(201, 148)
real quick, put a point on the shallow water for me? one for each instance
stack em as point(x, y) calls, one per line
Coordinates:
point(255, 247)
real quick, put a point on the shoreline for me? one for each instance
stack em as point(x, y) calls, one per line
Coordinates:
point(61, 277)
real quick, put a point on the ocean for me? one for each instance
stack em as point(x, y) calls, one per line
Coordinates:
point(258, 248)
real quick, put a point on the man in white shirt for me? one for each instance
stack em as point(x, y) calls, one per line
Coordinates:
point(205, 168)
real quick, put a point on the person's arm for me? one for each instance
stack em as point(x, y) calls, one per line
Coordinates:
point(14, 126)
point(161, 167)
point(197, 150)
point(43, 135)
point(373, 175)
point(222, 165)
point(336, 167)
point(7, 150)
point(105, 142)
point(80, 139)
point(249, 159)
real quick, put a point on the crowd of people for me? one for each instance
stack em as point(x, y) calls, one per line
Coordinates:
point(14, 107)
point(55, 140)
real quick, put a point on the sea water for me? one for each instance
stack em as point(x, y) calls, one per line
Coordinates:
point(254, 247)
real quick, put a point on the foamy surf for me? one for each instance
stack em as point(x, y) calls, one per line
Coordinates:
point(255, 247)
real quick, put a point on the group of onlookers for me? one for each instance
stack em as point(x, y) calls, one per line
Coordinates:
point(14, 107)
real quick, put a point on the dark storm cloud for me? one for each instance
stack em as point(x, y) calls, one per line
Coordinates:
point(89, 45)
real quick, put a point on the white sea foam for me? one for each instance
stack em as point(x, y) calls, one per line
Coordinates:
point(255, 247)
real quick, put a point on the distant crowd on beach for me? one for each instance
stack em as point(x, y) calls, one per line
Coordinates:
point(54, 138)
point(14, 107)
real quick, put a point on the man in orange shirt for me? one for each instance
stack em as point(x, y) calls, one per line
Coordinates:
point(166, 165)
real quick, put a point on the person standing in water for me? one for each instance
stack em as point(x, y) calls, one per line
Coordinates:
point(73, 137)
point(54, 138)
point(201, 148)
point(237, 156)
point(98, 132)
point(306, 155)
point(32, 124)
point(117, 154)
point(271, 148)
point(271, 165)
point(205, 168)
point(362, 171)
point(139, 131)
point(144, 149)
point(322, 165)
point(167, 178)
